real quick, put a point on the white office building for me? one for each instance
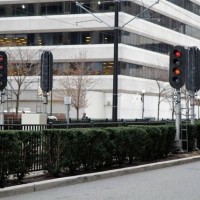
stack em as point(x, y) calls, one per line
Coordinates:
point(147, 31)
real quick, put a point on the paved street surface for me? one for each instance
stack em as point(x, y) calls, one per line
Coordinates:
point(172, 183)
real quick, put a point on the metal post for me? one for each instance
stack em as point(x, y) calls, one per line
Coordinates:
point(143, 106)
point(142, 99)
point(192, 107)
point(198, 101)
point(187, 106)
point(51, 103)
point(178, 120)
point(115, 69)
point(1, 110)
point(68, 109)
point(67, 102)
point(45, 102)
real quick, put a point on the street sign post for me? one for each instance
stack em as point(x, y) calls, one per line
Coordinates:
point(67, 102)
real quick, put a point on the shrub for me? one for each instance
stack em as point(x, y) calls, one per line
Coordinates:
point(53, 150)
point(17, 153)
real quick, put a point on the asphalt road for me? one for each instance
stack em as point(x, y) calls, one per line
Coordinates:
point(173, 183)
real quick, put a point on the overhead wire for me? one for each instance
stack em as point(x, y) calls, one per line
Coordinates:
point(78, 24)
point(104, 14)
point(84, 26)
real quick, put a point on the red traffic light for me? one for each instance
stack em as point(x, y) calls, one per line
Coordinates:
point(177, 53)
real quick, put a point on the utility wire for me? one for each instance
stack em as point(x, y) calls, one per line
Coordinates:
point(101, 21)
point(100, 12)
point(140, 13)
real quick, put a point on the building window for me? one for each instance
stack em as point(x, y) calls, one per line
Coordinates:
point(51, 8)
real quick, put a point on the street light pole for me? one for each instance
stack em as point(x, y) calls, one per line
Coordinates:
point(142, 98)
point(51, 103)
point(198, 101)
point(115, 68)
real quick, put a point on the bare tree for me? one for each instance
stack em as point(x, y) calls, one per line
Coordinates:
point(164, 94)
point(21, 66)
point(77, 81)
point(164, 90)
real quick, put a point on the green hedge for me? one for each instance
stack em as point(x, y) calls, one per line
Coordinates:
point(68, 150)
point(91, 149)
point(17, 153)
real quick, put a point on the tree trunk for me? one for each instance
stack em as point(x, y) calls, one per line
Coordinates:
point(158, 114)
point(17, 106)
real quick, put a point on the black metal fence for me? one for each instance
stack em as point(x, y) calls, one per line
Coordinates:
point(82, 124)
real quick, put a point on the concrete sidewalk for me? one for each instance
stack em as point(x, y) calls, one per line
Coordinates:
point(59, 182)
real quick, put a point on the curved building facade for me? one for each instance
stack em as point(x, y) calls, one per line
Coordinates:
point(147, 31)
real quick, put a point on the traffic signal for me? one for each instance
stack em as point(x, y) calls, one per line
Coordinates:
point(3, 70)
point(178, 63)
point(46, 71)
point(193, 69)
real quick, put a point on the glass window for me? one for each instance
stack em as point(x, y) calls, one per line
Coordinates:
point(140, 71)
point(2, 11)
point(13, 40)
point(23, 10)
point(51, 8)
point(107, 6)
point(106, 68)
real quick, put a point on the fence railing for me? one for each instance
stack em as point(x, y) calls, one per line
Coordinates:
point(80, 124)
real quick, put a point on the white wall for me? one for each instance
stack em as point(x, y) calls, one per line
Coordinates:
point(96, 105)
point(100, 99)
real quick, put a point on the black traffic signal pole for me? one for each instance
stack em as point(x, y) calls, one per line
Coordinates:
point(46, 74)
point(192, 77)
point(115, 69)
point(3, 83)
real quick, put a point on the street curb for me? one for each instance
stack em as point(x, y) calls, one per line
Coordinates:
point(59, 182)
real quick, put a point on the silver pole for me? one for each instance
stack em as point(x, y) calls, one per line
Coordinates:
point(45, 102)
point(192, 107)
point(142, 105)
point(178, 120)
point(68, 109)
point(2, 109)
